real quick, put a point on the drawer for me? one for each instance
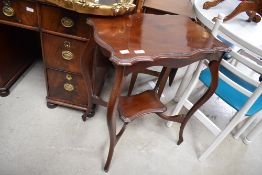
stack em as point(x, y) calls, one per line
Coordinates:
point(19, 11)
point(65, 87)
point(64, 21)
point(62, 53)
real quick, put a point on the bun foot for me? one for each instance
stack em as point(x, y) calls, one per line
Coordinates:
point(256, 19)
point(51, 105)
point(88, 115)
point(4, 92)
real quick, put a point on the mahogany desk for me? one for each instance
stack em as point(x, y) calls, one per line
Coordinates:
point(35, 28)
point(140, 41)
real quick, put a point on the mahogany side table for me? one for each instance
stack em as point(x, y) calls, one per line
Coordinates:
point(139, 41)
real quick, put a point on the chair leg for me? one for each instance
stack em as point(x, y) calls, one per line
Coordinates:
point(132, 83)
point(184, 82)
point(220, 138)
point(253, 133)
point(236, 119)
point(187, 92)
point(244, 127)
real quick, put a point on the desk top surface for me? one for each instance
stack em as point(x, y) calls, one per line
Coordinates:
point(246, 34)
point(146, 37)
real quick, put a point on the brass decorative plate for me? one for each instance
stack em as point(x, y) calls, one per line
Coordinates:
point(97, 7)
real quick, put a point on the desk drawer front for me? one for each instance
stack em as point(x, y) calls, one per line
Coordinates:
point(19, 11)
point(64, 21)
point(66, 87)
point(63, 53)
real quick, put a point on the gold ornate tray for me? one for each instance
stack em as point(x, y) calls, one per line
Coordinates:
point(97, 7)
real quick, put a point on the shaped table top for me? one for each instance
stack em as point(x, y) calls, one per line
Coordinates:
point(147, 37)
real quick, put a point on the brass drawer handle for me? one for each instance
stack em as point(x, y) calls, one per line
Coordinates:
point(67, 22)
point(68, 87)
point(67, 55)
point(8, 11)
point(69, 77)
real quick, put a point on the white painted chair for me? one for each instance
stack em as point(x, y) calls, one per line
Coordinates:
point(236, 88)
point(253, 133)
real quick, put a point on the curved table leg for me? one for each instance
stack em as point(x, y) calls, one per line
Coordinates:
point(213, 66)
point(210, 4)
point(244, 6)
point(111, 108)
point(132, 83)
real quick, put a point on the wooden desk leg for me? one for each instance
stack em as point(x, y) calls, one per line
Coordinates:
point(111, 109)
point(213, 66)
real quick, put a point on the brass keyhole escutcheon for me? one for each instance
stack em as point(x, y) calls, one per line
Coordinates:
point(67, 44)
point(67, 55)
point(69, 77)
point(67, 22)
point(8, 11)
point(68, 87)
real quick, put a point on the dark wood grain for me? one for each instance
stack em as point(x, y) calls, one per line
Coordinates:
point(51, 21)
point(20, 46)
point(168, 41)
point(25, 13)
point(54, 46)
point(56, 90)
point(142, 32)
point(144, 103)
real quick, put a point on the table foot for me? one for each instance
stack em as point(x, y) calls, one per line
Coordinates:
point(51, 105)
point(87, 115)
point(4, 92)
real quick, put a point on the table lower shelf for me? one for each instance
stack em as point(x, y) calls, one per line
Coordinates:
point(132, 107)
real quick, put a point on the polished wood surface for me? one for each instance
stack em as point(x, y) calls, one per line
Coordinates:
point(65, 38)
point(146, 102)
point(24, 13)
point(52, 17)
point(140, 33)
point(139, 41)
point(63, 53)
point(69, 91)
